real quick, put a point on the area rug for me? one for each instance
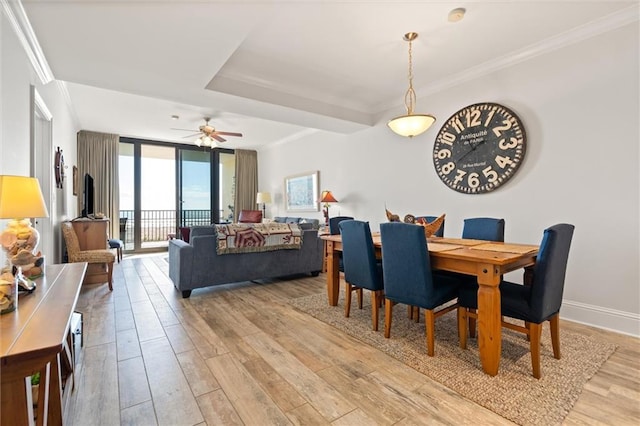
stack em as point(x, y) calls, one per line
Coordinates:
point(514, 393)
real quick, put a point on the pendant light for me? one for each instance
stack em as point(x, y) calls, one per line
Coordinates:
point(411, 124)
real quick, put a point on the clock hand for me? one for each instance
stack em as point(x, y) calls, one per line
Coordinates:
point(473, 148)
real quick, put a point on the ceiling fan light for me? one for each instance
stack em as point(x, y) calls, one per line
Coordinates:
point(411, 125)
point(198, 142)
point(207, 141)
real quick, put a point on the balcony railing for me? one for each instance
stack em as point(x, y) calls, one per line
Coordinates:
point(157, 225)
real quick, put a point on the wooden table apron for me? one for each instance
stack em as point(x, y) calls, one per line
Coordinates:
point(32, 337)
point(487, 266)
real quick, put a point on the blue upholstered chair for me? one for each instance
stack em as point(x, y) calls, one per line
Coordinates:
point(483, 228)
point(535, 303)
point(334, 223)
point(439, 232)
point(334, 229)
point(408, 279)
point(361, 270)
point(480, 228)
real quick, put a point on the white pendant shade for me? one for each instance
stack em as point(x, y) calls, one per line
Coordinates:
point(411, 125)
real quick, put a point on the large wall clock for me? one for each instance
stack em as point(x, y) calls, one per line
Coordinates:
point(479, 148)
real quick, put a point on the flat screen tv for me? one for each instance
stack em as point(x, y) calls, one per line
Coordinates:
point(87, 196)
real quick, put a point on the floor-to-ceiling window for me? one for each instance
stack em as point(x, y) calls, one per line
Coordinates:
point(166, 186)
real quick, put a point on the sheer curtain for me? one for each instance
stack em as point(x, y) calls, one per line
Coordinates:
point(98, 156)
point(246, 181)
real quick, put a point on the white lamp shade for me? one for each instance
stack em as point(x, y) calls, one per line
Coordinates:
point(411, 125)
point(21, 197)
point(263, 197)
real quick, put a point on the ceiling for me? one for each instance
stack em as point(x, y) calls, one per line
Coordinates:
point(273, 70)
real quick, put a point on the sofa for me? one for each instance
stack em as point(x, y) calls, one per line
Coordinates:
point(197, 264)
point(303, 222)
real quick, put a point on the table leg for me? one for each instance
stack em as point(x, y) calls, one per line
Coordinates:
point(489, 319)
point(333, 274)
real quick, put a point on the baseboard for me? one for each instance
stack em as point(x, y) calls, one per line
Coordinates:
point(609, 319)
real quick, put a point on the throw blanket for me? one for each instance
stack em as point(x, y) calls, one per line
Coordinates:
point(257, 237)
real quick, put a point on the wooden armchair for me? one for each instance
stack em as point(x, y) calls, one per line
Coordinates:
point(90, 256)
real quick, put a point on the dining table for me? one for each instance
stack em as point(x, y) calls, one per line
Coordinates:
point(486, 260)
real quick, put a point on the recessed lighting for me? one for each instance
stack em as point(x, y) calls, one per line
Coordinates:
point(457, 14)
point(175, 117)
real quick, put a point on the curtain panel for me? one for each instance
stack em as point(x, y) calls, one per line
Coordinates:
point(98, 156)
point(246, 181)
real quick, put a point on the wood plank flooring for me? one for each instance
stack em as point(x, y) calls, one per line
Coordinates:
point(248, 358)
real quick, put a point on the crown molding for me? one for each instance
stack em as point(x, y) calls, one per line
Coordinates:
point(603, 25)
point(64, 92)
point(19, 21)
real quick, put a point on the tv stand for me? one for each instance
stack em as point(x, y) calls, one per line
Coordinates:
point(93, 234)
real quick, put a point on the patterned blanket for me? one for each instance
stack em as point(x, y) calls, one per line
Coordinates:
point(257, 237)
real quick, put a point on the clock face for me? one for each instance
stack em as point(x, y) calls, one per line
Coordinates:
point(479, 148)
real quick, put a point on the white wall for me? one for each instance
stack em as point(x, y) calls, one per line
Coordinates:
point(580, 108)
point(16, 78)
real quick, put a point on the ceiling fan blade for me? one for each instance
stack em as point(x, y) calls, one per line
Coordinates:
point(216, 137)
point(190, 136)
point(186, 130)
point(228, 133)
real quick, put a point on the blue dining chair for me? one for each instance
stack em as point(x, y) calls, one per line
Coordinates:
point(334, 229)
point(483, 228)
point(440, 231)
point(361, 269)
point(334, 224)
point(535, 303)
point(406, 268)
point(480, 228)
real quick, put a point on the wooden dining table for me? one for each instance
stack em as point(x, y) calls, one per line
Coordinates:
point(486, 260)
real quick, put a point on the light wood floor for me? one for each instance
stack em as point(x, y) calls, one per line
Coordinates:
point(149, 358)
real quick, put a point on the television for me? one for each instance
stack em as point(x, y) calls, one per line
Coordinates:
point(87, 196)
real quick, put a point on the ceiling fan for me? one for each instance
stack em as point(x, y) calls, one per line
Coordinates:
point(208, 133)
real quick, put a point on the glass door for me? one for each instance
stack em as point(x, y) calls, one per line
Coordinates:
point(165, 187)
point(194, 188)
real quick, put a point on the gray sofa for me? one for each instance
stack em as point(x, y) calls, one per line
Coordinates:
point(196, 264)
point(303, 222)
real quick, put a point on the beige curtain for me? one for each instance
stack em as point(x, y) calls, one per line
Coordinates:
point(246, 181)
point(98, 156)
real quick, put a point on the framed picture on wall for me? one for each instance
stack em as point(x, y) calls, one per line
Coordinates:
point(301, 192)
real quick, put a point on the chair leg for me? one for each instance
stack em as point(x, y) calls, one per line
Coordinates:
point(430, 329)
point(375, 308)
point(416, 313)
point(535, 330)
point(348, 288)
point(410, 312)
point(554, 323)
point(359, 290)
point(388, 310)
point(472, 324)
point(462, 327)
point(119, 254)
point(110, 275)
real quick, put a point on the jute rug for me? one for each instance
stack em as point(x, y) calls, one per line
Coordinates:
point(513, 393)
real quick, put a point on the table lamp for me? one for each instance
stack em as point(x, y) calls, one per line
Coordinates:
point(326, 198)
point(263, 198)
point(20, 200)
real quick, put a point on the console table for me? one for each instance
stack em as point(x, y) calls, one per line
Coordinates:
point(36, 338)
point(93, 234)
